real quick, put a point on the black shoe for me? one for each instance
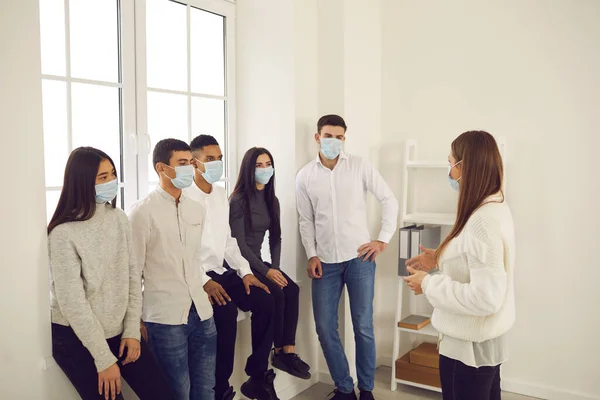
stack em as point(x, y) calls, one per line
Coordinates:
point(292, 364)
point(228, 395)
point(337, 395)
point(364, 395)
point(260, 389)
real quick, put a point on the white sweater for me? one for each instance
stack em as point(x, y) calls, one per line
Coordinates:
point(473, 296)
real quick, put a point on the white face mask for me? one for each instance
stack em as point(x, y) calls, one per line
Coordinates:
point(184, 176)
point(454, 182)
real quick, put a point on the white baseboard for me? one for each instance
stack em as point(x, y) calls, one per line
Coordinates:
point(543, 392)
point(325, 377)
point(295, 389)
point(384, 361)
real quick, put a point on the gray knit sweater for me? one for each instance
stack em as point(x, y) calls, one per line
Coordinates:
point(95, 283)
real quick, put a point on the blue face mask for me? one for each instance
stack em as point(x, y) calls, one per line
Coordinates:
point(184, 176)
point(213, 171)
point(331, 148)
point(263, 175)
point(454, 182)
point(106, 192)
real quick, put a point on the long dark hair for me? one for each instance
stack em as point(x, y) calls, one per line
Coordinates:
point(482, 176)
point(78, 196)
point(245, 188)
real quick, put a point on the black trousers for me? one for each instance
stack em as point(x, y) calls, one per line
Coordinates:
point(287, 308)
point(260, 303)
point(461, 382)
point(143, 376)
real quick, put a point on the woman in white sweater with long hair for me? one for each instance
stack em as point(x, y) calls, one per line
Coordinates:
point(472, 288)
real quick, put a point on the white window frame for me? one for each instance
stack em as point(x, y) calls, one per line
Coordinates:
point(136, 145)
point(127, 112)
point(144, 144)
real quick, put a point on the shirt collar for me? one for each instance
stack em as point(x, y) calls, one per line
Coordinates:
point(163, 193)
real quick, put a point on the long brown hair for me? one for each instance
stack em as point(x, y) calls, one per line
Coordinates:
point(482, 176)
point(78, 196)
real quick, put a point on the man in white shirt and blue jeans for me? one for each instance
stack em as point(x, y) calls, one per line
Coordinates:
point(331, 198)
point(167, 229)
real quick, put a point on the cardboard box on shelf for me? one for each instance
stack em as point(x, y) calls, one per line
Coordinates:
point(426, 355)
point(417, 373)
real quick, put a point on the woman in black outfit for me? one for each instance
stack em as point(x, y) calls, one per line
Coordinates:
point(254, 209)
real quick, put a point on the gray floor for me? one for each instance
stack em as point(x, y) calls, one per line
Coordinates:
point(382, 390)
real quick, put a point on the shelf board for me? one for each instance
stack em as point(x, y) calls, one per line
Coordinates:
point(427, 164)
point(414, 384)
point(431, 218)
point(428, 330)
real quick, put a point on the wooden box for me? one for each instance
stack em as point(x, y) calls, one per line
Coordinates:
point(426, 355)
point(416, 373)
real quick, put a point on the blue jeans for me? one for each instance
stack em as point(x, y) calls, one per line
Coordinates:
point(187, 355)
point(359, 278)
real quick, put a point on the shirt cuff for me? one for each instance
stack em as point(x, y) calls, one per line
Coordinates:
point(242, 272)
point(312, 252)
point(385, 237)
point(205, 279)
point(425, 283)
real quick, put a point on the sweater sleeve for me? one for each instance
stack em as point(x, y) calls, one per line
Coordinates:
point(275, 240)
point(485, 293)
point(237, 223)
point(65, 267)
point(133, 316)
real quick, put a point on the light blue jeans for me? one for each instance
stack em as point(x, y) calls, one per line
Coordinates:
point(359, 278)
point(188, 355)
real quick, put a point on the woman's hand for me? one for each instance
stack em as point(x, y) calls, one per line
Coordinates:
point(277, 277)
point(134, 349)
point(415, 280)
point(424, 261)
point(109, 382)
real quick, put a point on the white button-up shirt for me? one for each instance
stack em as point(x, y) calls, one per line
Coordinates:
point(217, 243)
point(166, 242)
point(333, 210)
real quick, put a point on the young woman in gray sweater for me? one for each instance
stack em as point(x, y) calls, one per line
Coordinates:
point(254, 210)
point(96, 291)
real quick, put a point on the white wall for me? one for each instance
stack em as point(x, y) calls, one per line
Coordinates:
point(527, 70)
point(25, 312)
point(276, 88)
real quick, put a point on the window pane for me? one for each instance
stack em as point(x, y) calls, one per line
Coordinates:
point(96, 119)
point(52, 197)
point(52, 30)
point(207, 38)
point(167, 118)
point(94, 39)
point(56, 152)
point(166, 45)
point(208, 117)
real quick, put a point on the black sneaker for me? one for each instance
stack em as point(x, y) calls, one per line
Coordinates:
point(292, 364)
point(364, 395)
point(337, 395)
point(228, 395)
point(260, 389)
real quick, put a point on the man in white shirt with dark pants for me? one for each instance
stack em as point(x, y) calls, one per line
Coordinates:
point(230, 285)
point(331, 200)
point(167, 229)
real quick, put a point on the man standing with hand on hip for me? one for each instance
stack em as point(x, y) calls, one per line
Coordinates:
point(331, 197)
